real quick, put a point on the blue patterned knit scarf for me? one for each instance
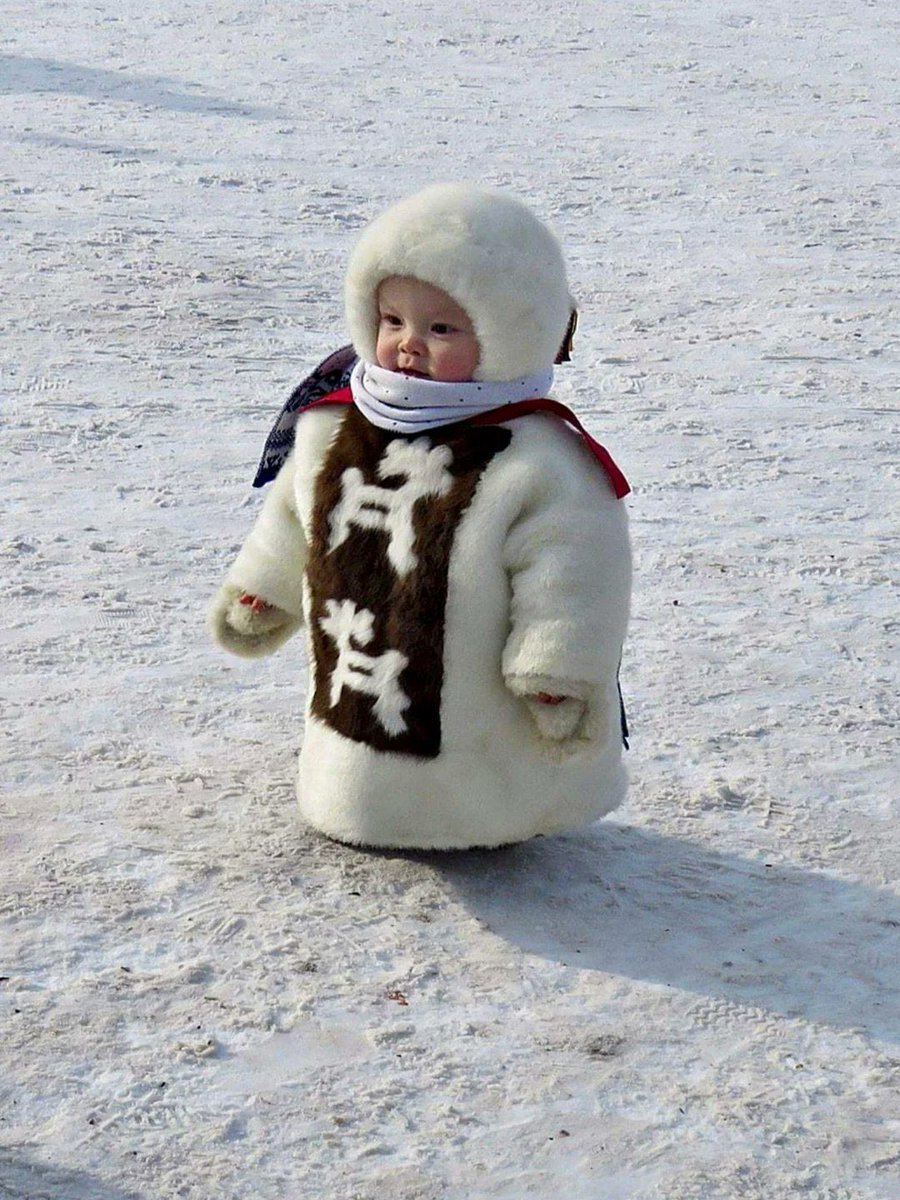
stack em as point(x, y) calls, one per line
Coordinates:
point(330, 375)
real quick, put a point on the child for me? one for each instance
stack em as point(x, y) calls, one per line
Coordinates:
point(462, 570)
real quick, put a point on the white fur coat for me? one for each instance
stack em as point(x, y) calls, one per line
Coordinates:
point(534, 598)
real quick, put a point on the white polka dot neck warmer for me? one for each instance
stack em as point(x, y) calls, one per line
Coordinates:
point(407, 404)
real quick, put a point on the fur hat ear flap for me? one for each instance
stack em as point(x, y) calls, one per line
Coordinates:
point(490, 253)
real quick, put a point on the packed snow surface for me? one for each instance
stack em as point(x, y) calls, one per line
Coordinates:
point(697, 998)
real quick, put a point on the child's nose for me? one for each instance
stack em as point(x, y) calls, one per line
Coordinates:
point(412, 342)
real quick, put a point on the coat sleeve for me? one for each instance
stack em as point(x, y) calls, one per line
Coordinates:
point(270, 565)
point(569, 564)
point(271, 562)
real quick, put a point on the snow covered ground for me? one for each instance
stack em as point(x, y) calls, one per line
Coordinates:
point(697, 999)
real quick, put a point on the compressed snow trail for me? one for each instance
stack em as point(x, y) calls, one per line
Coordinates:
point(695, 1000)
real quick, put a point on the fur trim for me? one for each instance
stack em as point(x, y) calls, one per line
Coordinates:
point(486, 250)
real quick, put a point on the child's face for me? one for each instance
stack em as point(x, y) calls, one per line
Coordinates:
point(422, 331)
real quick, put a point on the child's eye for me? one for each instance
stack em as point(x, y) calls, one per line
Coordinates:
point(390, 319)
point(439, 327)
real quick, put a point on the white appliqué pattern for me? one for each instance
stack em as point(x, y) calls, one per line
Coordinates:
point(373, 675)
point(368, 506)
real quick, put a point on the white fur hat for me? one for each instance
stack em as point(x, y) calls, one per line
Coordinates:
point(486, 250)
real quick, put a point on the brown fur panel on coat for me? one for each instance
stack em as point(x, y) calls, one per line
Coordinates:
point(385, 514)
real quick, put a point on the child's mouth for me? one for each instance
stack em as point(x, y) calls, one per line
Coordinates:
point(414, 374)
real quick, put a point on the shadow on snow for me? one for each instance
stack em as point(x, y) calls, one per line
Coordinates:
point(632, 902)
point(21, 75)
point(23, 1179)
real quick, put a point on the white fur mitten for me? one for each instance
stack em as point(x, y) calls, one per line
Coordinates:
point(561, 722)
point(556, 722)
point(246, 629)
